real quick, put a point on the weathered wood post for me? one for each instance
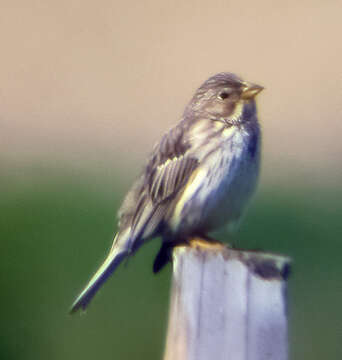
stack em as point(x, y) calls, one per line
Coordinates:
point(227, 304)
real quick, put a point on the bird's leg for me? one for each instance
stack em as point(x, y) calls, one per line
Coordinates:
point(204, 241)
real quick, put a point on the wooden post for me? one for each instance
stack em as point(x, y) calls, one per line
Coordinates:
point(227, 304)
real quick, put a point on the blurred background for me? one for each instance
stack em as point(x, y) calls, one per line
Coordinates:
point(86, 89)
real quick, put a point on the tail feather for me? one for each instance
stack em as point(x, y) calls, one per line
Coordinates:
point(113, 260)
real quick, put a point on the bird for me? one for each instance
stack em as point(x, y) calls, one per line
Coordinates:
point(199, 177)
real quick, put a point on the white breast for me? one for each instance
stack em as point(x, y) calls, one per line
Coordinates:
point(219, 190)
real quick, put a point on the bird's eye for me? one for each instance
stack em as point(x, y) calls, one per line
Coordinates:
point(223, 95)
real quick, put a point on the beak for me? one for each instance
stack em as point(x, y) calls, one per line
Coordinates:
point(249, 90)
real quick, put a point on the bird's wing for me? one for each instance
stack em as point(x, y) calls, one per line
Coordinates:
point(167, 178)
point(170, 166)
point(144, 208)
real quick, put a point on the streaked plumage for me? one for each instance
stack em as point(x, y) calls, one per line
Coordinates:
point(199, 177)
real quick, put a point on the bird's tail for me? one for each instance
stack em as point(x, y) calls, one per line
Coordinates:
point(118, 252)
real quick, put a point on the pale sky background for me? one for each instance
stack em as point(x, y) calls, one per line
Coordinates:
point(95, 84)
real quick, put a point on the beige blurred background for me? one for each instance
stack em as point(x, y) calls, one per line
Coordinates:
point(83, 83)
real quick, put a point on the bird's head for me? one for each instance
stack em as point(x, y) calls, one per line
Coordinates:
point(226, 97)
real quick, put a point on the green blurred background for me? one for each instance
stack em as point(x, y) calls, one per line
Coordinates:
point(56, 227)
point(86, 89)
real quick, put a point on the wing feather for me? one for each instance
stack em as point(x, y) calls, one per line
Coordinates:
point(170, 166)
point(169, 177)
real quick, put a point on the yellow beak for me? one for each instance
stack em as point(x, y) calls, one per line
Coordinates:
point(250, 90)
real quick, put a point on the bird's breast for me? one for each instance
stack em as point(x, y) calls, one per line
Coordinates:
point(219, 190)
